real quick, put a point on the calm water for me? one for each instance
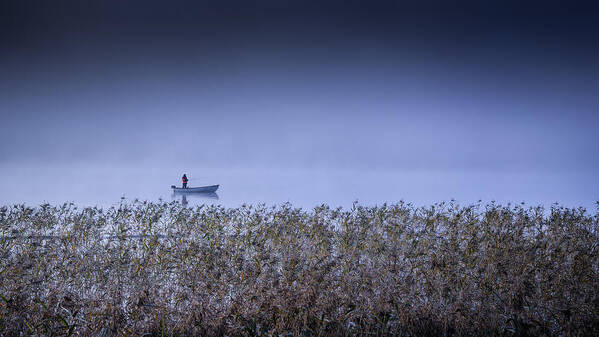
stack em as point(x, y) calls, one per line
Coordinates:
point(105, 186)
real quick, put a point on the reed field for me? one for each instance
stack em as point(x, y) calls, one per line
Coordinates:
point(160, 269)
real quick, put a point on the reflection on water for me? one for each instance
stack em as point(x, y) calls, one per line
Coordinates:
point(184, 197)
point(105, 186)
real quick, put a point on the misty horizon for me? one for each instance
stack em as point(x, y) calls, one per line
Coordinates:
point(398, 88)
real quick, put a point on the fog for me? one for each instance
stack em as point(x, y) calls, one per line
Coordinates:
point(95, 106)
point(395, 115)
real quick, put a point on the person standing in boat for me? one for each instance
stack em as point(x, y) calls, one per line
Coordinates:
point(185, 180)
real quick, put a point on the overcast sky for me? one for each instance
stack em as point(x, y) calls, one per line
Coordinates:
point(422, 84)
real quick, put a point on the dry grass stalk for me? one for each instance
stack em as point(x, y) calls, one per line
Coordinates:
point(162, 269)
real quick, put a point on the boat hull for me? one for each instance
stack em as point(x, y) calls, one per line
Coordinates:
point(203, 189)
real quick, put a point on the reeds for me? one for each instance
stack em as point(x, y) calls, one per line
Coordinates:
point(162, 269)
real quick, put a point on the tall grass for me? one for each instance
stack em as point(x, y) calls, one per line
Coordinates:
point(162, 269)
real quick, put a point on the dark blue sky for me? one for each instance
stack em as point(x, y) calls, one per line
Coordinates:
point(471, 85)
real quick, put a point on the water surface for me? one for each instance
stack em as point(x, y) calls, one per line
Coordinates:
point(107, 186)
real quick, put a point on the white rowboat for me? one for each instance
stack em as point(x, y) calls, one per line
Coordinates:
point(202, 189)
